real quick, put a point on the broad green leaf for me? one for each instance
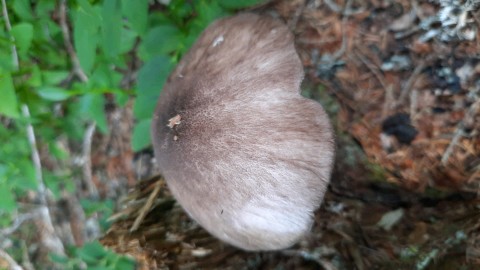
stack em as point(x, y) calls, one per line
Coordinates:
point(179, 10)
point(35, 79)
point(87, 8)
point(121, 98)
point(7, 200)
point(151, 78)
point(43, 31)
point(137, 14)
point(92, 252)
point(54, 77)
point(24, 179)
point(56, 149)
point(141, 135)
point(207, 13)
point(161, 40)
point(85, 34)
point(125, 263)
point(235, 4)
point(60, 259)
point(93, 105)
point(54, 93)
point(23, 34)
point(23, 9)
point(6, 59)
point(128, 40)
point(105, 77)
point(8, 102)
point(43, 9)
point(111, 27)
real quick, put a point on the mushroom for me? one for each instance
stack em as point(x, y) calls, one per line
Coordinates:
point(241, 150)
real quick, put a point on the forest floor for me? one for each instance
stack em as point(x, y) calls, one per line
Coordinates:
point(401, 81)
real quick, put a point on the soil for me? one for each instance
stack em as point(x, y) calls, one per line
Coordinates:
point(401, 81)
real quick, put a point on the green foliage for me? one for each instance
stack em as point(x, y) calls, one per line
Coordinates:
point(94, 256)
point(109, 38)
point(8, 102)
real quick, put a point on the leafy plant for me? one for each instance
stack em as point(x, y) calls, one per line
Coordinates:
point(61, 63)
point(93, 256)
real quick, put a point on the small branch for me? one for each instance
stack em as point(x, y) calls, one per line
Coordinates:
point(459, 132)
point(52, 242)
point(13, 265)
point(146, 208)
point(49, 238)
point(77, 69)
point(342, 49)
point(372, 69)
point(35, 157)
point(409, 84)
point(87, 162)
point(344, 11)
point(296, 17)
point(16, 223)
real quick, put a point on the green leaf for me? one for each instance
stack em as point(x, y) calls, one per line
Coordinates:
point(92, 252)
point(111, 27)
point(207, 13)
point(179, 10)
point(23, 34)
point(161, 40)
point(137, 14)
point(151, 78)
point(125, 263)
point(60, 259)
point(93, 105)
point(129, 38)
point(57, 150)
point(6, 60)
point(23, 9)
point(85, 34)
point(7, 200)
point(141, 135)
point(54, 93)
point(35, 79)
point(8, 102)
point(44, 8)
point(53, 77)
point(24, 177)
point(235, 4)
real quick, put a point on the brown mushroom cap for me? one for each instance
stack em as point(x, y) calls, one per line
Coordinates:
point(242, 151)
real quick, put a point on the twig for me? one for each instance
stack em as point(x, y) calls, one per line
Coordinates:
point(26, 262)
point(16, 224)
point(372, 68)
point(296, 17)
point(409, 84)
point(87, 162)
point(77, 69)
point(146, 208)
point(35, 157)
point(52, 242)
point(459, 132)
point(344, 11)
point(13, 265)
point(343, 47)
point(49, 237)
